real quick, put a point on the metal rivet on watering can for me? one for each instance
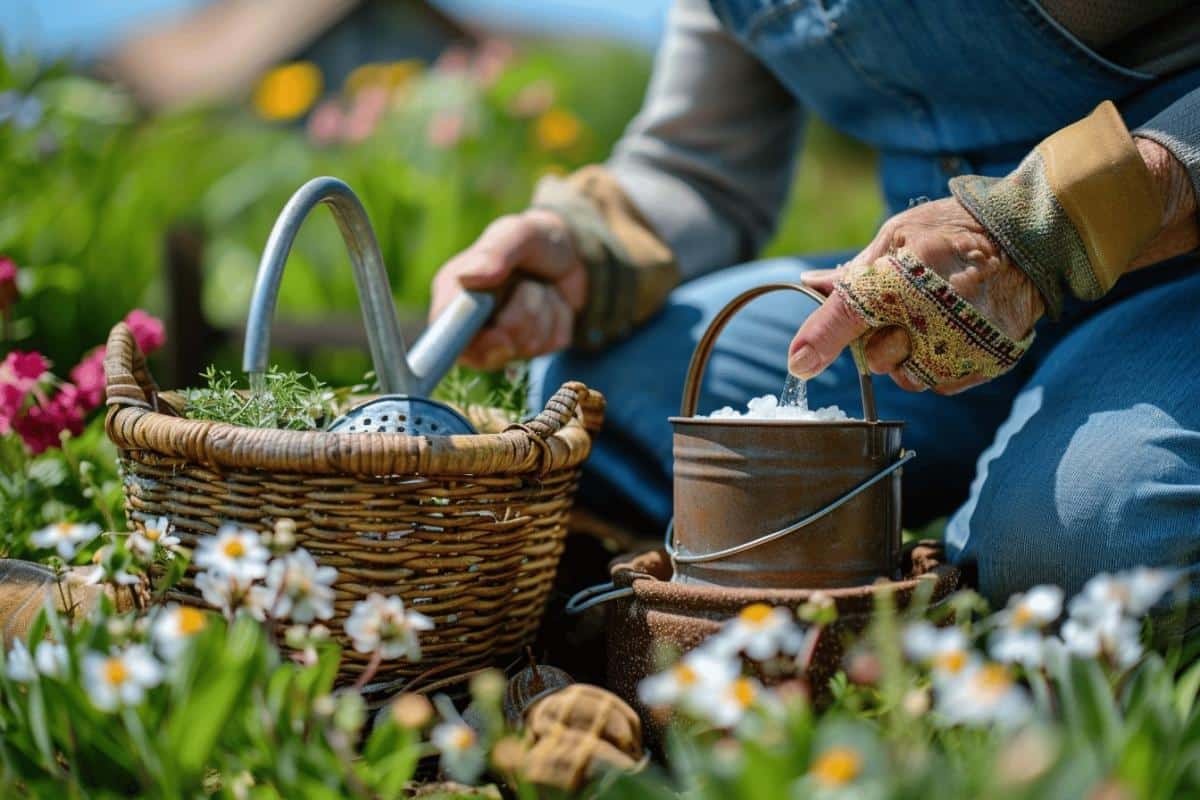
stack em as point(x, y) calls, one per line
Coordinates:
point(405, 378)
point(783, 503)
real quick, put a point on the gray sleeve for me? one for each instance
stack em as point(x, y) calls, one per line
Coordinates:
point(709, 159)
point(1177, 128)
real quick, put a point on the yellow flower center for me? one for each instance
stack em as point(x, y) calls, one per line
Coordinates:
point(63, 529)
point(685, 675)
point(115, 672)
point(190, 621)
point(288, 91)
point(837, 766)
point(1022, 616)
point(557, 129)
point(153, 534)
point(756, 614)
point(950, 661)
point(234, 548)
point(463, 737)
point(743, 692)
point(993, 680)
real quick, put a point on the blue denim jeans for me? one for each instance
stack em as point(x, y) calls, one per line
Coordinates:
point(1085, 458)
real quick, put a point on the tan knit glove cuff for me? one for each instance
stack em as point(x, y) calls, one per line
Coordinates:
point(1075, 212)
point(630, 269)
point(949, 339)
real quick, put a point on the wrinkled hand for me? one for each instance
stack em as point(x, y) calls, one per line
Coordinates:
point(548, 285)
point(943, 235)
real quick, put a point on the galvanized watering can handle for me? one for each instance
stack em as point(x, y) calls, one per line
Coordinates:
point(416, 373)
point(695, 373)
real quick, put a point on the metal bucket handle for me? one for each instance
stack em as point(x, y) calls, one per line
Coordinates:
point(695, 373)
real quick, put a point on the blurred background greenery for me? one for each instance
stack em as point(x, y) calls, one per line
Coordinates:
point(106, 204)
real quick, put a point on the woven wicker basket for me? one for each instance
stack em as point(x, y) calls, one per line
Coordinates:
point(466, 529)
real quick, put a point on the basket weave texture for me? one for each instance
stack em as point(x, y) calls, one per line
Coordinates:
point(466, 529)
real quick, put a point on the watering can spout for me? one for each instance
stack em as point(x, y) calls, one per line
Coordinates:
point(433, 354)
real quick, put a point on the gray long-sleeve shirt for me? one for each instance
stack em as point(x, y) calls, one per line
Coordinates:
point(709, 158)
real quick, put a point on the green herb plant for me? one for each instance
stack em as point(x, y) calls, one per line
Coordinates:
point(287, 400)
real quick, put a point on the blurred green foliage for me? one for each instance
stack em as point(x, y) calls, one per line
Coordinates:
point(93, 185)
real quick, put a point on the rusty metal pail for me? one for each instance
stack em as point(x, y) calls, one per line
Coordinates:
point(783, 504)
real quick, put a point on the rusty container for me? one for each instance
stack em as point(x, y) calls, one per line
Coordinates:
point(783, 504)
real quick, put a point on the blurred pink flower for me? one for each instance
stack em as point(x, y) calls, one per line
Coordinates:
point(8, 283)
point(534, 99)
point(25, 368)
point(88, 377)
point(446, 129)
point(492, 57)
point(326, 122)
point(43, 424)
point(454, 60)
point(147, 330)
point(369, 106)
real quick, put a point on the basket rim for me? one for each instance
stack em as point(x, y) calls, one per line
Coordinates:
point(559, 437)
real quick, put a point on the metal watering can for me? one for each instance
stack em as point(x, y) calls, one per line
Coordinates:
point(404, 378)
point(778, 504)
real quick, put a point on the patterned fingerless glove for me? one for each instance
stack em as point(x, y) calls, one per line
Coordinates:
point(949, 338)
point(1075, 212)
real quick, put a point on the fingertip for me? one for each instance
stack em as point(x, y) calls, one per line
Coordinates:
point(823, 336)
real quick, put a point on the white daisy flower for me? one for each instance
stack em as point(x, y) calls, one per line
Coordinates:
point(762, 632)
point(1113, 636)
point(65, 538)
point(19, 666)
point(1019, 638)
point(300, 589)
point(727, 705)
point(382, 624)
point(156, 534)
point(121, 677)
point(691, 681)
point(235, 553)
point(1132, 592)
point(227, 594)
point(174, 627)
point(944, 650)
point(984, 695)
point(462, 754)
point(52, 659)
point(102, 574)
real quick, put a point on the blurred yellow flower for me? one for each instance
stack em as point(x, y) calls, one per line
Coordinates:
point(836, 767)
point(557, 129)
point(288, 91)
point(391, 75)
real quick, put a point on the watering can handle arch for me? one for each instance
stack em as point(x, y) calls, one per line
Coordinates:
point(399, 372)
point(695, 373)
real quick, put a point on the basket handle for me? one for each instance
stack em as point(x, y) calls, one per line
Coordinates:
point(691, 386)
point(127, 380)
point(572, 398)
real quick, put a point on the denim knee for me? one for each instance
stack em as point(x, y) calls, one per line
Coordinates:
point(1061, 502)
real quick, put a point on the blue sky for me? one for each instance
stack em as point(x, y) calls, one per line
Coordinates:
point(638, 21)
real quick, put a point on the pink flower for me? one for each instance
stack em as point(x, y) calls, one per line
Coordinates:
point(23, 368)
point(325, 123)
point(446, 129)
point(8, 283)
point(88, 377)
point(147, 330)
point(365, 115)
point(44, 422)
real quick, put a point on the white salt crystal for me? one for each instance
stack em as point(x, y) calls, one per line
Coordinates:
point(767, 407)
